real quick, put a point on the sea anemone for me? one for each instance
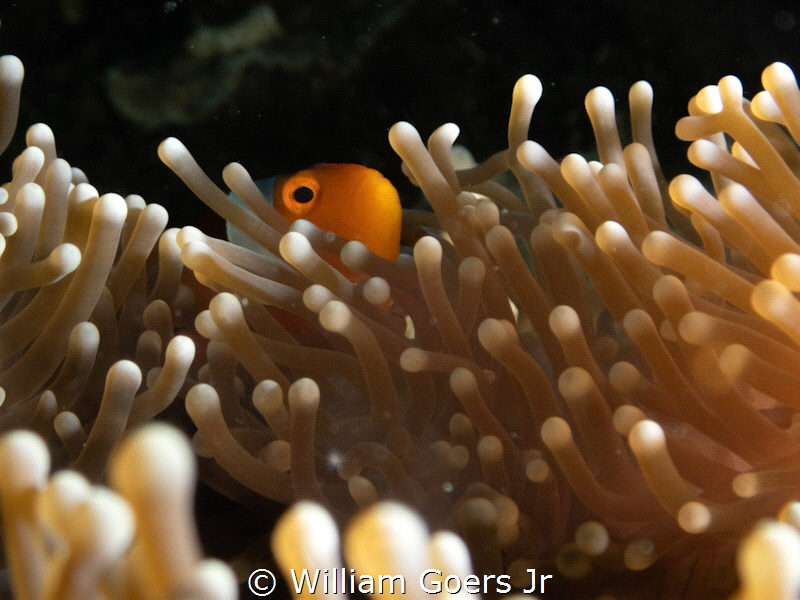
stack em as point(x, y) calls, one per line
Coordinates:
point(592, 375)
point(77, 306)
point(67, 539)
point(82, 317)
point(596, 378)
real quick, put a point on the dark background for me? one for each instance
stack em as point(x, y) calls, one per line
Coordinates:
point(114, 77)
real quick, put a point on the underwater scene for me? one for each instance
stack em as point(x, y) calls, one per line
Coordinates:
point(399, 298)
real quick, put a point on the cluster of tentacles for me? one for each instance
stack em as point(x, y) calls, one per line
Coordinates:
point(593, 374)
point(596, 375)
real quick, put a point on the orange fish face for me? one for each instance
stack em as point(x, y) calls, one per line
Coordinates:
point(352, 201)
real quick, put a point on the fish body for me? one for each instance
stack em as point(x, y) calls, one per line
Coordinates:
point(352, 201)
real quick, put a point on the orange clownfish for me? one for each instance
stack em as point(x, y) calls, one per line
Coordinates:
point(352, 201)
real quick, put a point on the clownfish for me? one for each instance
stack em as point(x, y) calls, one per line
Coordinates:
point(352, 201)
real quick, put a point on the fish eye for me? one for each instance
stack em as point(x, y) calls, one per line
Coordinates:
point(299, 192)
point(303, 194)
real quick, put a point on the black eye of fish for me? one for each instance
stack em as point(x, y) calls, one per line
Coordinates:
point(303, 194)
